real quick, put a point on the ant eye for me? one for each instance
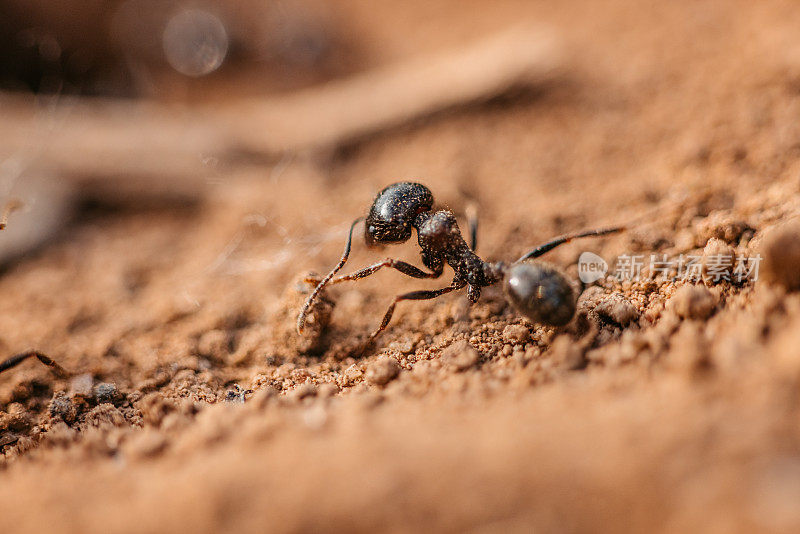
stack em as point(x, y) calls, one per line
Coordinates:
point(540, 292)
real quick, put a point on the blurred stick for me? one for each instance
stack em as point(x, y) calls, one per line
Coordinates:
point(347, 110)
point(113, 138)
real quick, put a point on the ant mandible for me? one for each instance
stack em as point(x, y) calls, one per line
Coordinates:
point(536, 290)
point(19, 358)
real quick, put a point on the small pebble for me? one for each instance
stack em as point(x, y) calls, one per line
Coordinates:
point(300, 375)
point(781, 256)
point(618, 309)
point(693, 302)
point(404, 347)
point(718, 261)
point(305, 390)
point(105, 392)
point(383, 371)
point(516, 333)
point(722, 226)
point(105, 415)
point(61, 407)
point(460, 355)
point(17, 422)
point(352, 374)
point(237, 394)
point(81, 386)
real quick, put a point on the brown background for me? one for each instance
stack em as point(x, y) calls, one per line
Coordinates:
point(688, 108)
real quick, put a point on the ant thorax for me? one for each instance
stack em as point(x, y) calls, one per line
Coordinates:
point(441, 241)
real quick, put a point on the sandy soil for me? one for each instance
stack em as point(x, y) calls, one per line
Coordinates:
point(660, 409)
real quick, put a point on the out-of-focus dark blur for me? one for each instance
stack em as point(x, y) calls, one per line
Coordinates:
point(168, 48)
point(185, 83)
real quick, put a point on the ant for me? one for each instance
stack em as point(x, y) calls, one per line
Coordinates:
point(537, 290)
point(19, 358)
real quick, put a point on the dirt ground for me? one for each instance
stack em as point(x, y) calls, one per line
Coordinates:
point(659, 409)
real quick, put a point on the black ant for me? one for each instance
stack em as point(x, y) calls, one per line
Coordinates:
point(19, 358)
point(536, 290)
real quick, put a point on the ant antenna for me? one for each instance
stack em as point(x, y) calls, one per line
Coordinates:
point(301, 320)
point(550, 245)
point(650, 214)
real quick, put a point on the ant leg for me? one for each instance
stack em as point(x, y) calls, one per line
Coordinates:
point(550, 245)
point(473, 294)
point(414, 295)
point(301, 319)
point(472, 223)
point(8, 209)
point(405, 268)
point(19, 358)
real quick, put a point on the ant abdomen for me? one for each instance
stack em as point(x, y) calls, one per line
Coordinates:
point(392, 215)
point(540, 292)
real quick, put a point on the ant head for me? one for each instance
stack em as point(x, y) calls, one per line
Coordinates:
point(391, 217)
point(540, 292)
